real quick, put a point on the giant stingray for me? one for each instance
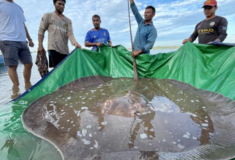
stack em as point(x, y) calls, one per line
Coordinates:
point(104, 118)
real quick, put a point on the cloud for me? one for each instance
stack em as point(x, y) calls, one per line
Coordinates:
point(174, 20)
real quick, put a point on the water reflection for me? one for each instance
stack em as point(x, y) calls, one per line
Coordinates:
point(21, 145)
point(119, 115)
point(9, 145)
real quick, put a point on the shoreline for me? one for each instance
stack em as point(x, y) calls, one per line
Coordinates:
point(154, 48)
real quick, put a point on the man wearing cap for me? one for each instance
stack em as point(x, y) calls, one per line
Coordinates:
point(213, 28)
point(146, 33)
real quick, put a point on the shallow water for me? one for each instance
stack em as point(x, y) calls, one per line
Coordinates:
point(7, 92)
point(84, 119)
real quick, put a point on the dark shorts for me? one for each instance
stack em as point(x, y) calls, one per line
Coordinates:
point(55, 58)
point(14, 51)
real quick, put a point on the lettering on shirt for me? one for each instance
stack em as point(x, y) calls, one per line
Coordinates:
point(101, 40)
point(58, 27)
point(202, 31)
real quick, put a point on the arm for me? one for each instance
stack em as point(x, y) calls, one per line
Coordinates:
point(150, 42)
point(88, 41)
point(42, 29)
point(222, 30)
point(135, 12)
point(89, 44)
point(71, 36)
point(192, 37)
point(40, 44)
point(31, 44)
point(109, 39)
point(110, 43)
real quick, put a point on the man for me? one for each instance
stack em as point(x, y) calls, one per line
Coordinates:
point(146, 33)
point(213, 28)
point(97, 36)
point(13, 44)
point(59, 29)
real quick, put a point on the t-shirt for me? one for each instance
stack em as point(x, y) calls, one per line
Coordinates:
point(11, 22)
point(210, 30)
point(97, 36)
point(59, 31)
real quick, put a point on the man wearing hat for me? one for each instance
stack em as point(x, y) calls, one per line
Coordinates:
point(213, 28)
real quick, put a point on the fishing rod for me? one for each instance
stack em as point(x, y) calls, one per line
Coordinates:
point(136, 77)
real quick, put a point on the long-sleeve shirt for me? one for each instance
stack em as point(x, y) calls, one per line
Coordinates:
point(210, 30)
point(146, 33)
point(59, 31)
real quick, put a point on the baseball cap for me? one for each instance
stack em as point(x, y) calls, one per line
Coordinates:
point(210, 3)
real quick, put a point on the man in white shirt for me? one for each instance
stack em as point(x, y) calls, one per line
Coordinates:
point(13, 44)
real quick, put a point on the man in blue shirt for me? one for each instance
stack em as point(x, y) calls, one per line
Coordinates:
point(146, 33)
point(97, 36)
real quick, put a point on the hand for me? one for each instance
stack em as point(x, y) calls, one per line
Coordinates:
point(41, 50)
point(110, 44)
point(186, 40)
point(135, 53)
point(217, 40)
point(99, 44)
point(209, 42)
point(77, 45)
point(31, 44)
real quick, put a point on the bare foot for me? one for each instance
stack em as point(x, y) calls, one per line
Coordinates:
point(15, 92)
point(28, 85)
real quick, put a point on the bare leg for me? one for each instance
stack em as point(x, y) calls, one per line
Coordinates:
point(13, 75)
point(27, 75)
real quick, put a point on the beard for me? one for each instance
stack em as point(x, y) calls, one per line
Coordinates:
point(59, 11)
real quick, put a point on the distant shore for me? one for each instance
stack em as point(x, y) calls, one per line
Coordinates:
point(162, 47)
point(166, 47)
point(155, 48)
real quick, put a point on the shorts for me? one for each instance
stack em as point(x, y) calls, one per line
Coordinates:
point(14, 51)
point(55, 58)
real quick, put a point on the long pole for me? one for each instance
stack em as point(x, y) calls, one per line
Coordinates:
point(136, 77)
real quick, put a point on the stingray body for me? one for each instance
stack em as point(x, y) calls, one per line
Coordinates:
point(117, 119)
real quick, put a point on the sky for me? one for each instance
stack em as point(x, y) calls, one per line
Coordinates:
point(174, 20)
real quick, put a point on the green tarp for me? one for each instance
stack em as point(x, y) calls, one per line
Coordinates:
point(205, 67)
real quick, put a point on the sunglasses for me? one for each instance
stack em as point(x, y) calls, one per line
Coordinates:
point(207, 7)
